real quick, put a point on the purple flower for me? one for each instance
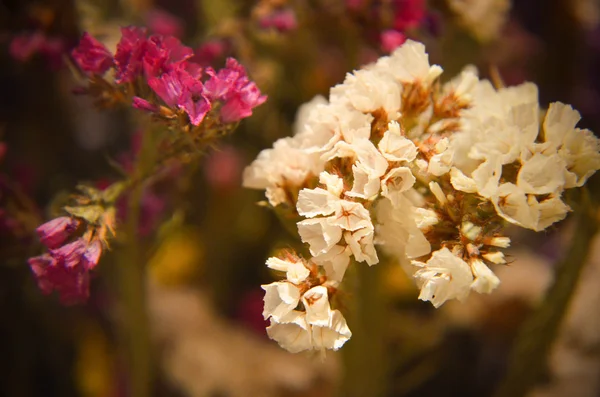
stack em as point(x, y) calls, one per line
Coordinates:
point(130, 50)
point(144, 105)
point(71, 283)
point(193, 101)
point(55, 232)
point(92, 56)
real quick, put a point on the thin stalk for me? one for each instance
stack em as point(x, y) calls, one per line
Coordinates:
point(131, 277)
point(535, 339)
point(365, 361)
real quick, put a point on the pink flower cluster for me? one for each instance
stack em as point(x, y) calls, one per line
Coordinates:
point(66, 266)
point(166, 67)
point(25, 46)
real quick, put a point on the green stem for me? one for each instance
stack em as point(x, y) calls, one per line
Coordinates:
point(365, 361)
point(131, 275)
point(534, 341)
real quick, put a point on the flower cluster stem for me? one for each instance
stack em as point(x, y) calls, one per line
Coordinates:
point(131, 274)
point(533, 344)
point(364, 356)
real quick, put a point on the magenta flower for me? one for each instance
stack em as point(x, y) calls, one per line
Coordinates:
point(193, 101)
point(92, 56)
point(164, 54)
point(130, 50)
point(392, 39)
point(232, 86)
point(170, 86)
point(55, 232)
point(71, 283)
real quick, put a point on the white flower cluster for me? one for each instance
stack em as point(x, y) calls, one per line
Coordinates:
point(429, 172)
point(316, 326)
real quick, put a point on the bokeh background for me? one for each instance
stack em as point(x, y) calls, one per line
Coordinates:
point(205, 238)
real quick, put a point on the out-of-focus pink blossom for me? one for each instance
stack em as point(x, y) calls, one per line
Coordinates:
point(66, 269)
point(281, 20)
point(55, 232)
point(25, 45)
point(92, 56)
point(408, 14)
point(249, 312)
point(209, 52)
point(392, 39)
point(223, 168)
point(164, 23)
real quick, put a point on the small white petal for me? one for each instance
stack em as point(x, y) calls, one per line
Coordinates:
point(280, 299)
point(485, 280)
point(334, 335)
point(294, 335)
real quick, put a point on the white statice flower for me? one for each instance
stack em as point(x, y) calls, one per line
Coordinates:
point(409, 63)
point(395, 183)
point(361, 245)
point(283, 167)
point(396, 147)
point(334, 335)
point(397, 230)
point(319, 234)
point(485, 280)
point(580, 149)
point(316, 305)
point(445, 276)
point(296, 334)
point(484, 18)
point(335, 262)
point(368, 90)
point(295, 270)
point(442, 161)
point(281, 298)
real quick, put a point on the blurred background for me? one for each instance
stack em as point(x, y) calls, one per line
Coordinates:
point(205, 239)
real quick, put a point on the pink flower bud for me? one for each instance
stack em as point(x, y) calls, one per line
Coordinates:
point(163, 23)
point(55, 232)
point(144, 105)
